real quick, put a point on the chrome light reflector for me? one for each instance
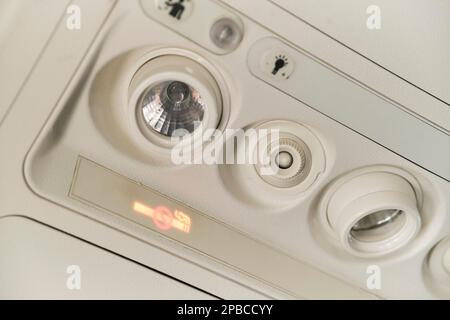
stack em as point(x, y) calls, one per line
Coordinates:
point(172, 108)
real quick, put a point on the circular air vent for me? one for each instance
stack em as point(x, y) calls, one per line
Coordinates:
point(287, 160)
point(291, 159)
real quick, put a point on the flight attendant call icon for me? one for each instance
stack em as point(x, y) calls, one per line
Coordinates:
point(176, 9)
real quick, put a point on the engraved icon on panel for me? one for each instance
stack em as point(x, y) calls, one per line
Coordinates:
point(176, 9)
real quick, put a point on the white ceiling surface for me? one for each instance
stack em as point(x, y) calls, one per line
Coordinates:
point(40, 262)
point(413, 42)
point(28, 14)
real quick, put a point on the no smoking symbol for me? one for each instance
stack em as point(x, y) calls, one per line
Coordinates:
point(162, 218)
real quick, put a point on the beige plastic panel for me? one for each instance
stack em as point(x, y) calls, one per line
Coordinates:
point(354, 65)
point(38, 96)
point(70, 131)
point(413, 41)
point(36, 259)
point(196, 22)
point(356, 107)
point(107, 190)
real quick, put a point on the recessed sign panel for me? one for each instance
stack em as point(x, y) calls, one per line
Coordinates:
point(107, 190)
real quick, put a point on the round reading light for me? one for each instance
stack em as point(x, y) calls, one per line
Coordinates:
point(371, 213)
point(174, 96)
point(172, 108)
point(376, 220)
point(143, 100)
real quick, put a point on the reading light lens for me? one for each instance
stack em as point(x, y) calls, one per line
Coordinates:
point(172, 108)
point(379, 225)
point(376, 220)
point(178, 92)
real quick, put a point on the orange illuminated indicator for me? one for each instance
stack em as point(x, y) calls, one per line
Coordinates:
point(164, 218)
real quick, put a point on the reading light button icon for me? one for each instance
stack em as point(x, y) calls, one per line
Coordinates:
point(278, 64)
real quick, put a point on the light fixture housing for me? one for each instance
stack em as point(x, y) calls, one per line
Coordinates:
point(438, 266)
point(173, 96)
point(372, 211)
